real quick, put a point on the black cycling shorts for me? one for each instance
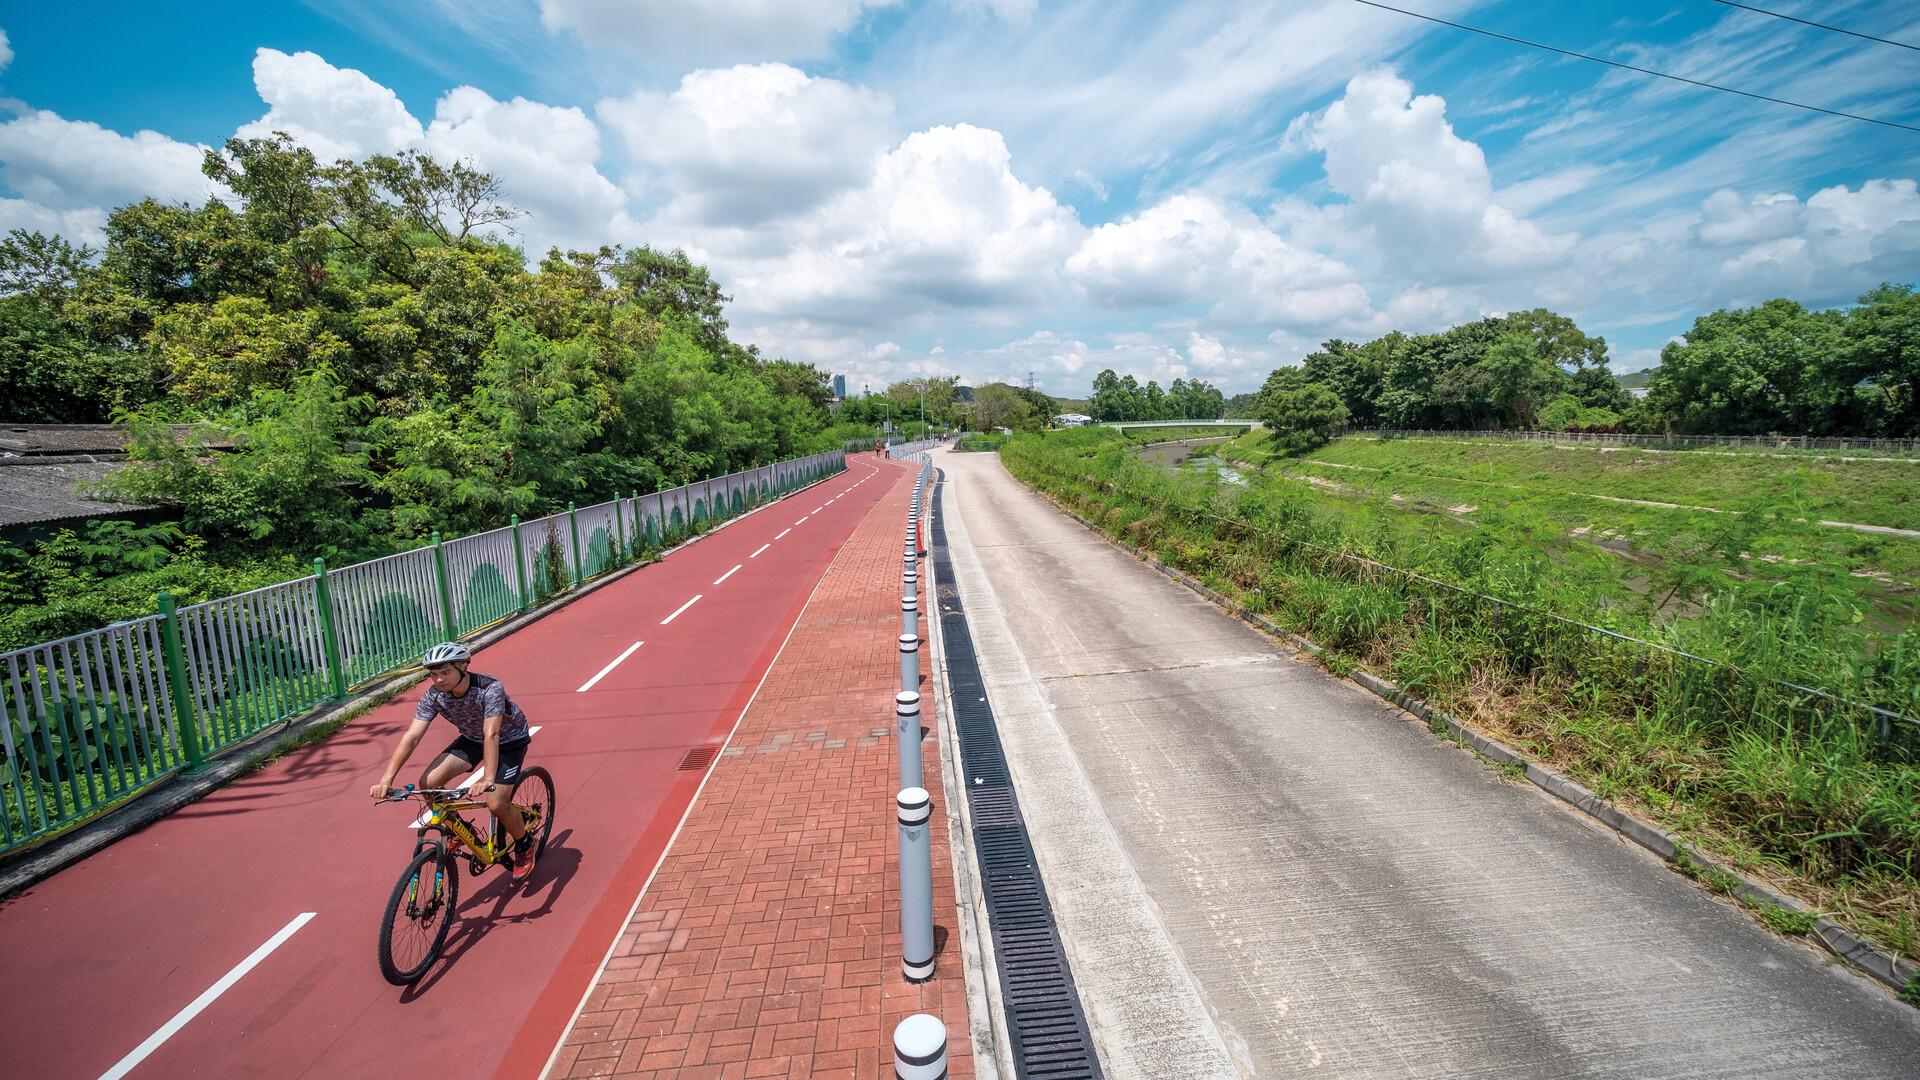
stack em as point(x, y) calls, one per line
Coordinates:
point(473, 753)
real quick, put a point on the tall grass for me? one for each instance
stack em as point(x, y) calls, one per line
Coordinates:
point(1749, 725)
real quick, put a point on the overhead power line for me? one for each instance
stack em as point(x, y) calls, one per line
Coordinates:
point(1823, 26)
point(1641, 70)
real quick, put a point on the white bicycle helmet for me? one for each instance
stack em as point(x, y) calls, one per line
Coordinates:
point(446, 652)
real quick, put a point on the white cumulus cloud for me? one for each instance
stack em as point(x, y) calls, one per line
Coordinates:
point(546, 158)
point(1193, 247)
point(335, 112)
point(744, 144)
point(69, 164)
point(942, 223)
point(1422, 193)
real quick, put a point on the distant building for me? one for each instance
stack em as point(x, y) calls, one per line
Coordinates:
point(1072, 419)
point(840, 387)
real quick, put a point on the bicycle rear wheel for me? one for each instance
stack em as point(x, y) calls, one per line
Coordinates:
point(534, 791)
point(418, 916)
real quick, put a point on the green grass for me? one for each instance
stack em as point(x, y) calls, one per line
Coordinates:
point(1866, 491)
point(1797, 789)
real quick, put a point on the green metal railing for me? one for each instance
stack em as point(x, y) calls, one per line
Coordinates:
point(88, 720)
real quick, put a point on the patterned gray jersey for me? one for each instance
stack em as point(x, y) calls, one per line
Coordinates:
point(484, 697)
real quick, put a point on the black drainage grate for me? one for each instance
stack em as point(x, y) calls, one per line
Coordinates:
point(1048, 1028)
point(698, 758)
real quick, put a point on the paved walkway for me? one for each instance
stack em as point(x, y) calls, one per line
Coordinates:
point(1262, 870)
point(768, 941)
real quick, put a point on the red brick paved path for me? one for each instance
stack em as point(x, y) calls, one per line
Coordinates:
point(768, 943)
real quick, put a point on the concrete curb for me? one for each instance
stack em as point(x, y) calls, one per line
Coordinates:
point(986, 1015)
point(1861, 954)
point(25, 869)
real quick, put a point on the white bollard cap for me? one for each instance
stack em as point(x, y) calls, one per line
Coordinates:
point(909, 643)
point(920, 1048)
point(906, 702)
point(915, 806)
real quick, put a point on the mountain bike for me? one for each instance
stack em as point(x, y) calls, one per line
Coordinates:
point(420, 911)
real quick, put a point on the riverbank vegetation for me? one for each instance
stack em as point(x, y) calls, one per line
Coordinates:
point(1718, 672)
point(1777, 368)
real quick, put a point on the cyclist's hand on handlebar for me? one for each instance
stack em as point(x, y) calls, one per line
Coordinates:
point(381, 791)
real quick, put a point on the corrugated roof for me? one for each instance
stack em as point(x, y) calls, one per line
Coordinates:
point(40, 490)
point(32, 439)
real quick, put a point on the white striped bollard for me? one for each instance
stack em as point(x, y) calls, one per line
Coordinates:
point(906, 728)
point(909, 663)
point(910, 615)
point(920, 1048)
point(916, 883)
point(912, 580)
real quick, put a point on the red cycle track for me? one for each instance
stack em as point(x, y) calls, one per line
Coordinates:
point(102, 955)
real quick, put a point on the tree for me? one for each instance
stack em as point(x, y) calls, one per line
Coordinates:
point(1353, 372)
point(41, 266)
point(1042, 407)
point(663, 283)
point(291, 478)
point(933, 394)
point(1301, 415)
point(1109, 401)
point(996, 405)
point(1761, 370)
point(1881, 362)
point(1517, 381)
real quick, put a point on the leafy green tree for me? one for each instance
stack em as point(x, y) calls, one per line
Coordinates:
point(1154, 405)
point(44, 267)
point(1518, 382)
point(290, 480)
point(1041, 406)
point(996, 405)
point(1109, 402)
point(1354, 372)
point(1881, 364)
point(1758, 370)
point(1301, 415)
point(669, 282)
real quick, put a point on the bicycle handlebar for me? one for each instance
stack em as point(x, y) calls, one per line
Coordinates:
point(408, 792)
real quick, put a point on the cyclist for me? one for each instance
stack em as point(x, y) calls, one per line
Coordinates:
point(493, 736)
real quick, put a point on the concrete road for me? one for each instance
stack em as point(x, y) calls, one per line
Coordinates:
point(1262, 870)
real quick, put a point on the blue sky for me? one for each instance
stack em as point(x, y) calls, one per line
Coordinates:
point(991, 187)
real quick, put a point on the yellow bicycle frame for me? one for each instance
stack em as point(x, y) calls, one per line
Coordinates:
point(447, 816)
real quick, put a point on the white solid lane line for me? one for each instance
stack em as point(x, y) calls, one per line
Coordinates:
point(605, 671)
point(783, 533)
point(683, 607)
point(180, 1019)
point(421, 821)
point(728, 574)
point(763, 547)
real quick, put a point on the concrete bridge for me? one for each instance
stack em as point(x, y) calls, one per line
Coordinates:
point(1123, 425)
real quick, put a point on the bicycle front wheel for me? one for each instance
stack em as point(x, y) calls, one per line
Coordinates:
point(534, 791)
point(419, 914)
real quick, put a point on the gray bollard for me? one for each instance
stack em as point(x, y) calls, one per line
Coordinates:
point(906, 728)
point(912, 579)
point(910, 615)
point(920, 1048)
point(909, 663)
point(916, 883)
